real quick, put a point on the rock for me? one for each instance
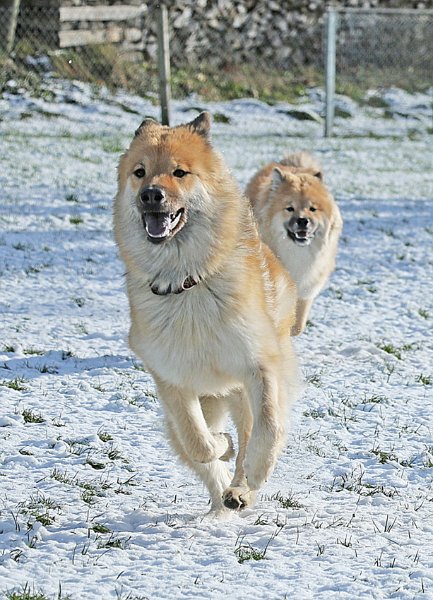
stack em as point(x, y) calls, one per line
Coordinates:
point(301, 114)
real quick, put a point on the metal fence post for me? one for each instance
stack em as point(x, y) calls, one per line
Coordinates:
point(331, 44)
point(14, 7)
point(164, 65)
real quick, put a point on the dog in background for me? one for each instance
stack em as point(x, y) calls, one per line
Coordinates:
point(211, 307)
point(300, 221)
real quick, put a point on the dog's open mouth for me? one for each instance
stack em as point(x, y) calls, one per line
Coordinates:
point(303, 237)
point(160, 226)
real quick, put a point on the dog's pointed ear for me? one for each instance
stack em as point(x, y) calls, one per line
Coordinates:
point(201, 125)
point(277, 178)
point(148, 121)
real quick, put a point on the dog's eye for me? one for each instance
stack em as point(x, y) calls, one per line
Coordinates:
point(290, 208)
point(140, 172)
point(313, 208)
point(179, 173)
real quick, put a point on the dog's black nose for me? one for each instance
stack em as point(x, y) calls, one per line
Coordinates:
point(152, 195)
point(302, 222)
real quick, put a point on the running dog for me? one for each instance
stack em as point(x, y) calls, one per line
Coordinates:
point(300, 221)
point(211, 307)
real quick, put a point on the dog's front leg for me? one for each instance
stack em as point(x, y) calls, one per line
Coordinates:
point(238, 495)
point(262, 444)
point(268, 433)
point(303, 306)
point(186, 415)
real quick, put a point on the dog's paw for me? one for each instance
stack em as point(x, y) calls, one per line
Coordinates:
point(230, 452)
point(295, 330)
point(238, 498)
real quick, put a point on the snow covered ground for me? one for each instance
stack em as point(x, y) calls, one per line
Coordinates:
point(93, 505)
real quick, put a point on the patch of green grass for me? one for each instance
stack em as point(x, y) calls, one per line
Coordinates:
point(62, 477)
point(376, 102)
point(114, 542)
point(390, 349)
point(78, 447)
point(288, 501)
point(33, 352)
point(40, 508)
point(375, 399)
point(31, 417)
point(220, 118)
point(88, 496)
point(27, 594)
point(76, 220)
point(207, 81)
point(424, 379)
point(248, 552)
point(242, 81)
point(424, 313)
point(114, 454)
point(100, 528)
point(90, 489)
point(71, 198)
point(384, 456)
point(104, 436)
point(245, 552)
point(396, 351)
point(16, 384)
point(113, 146)
point(354, 482)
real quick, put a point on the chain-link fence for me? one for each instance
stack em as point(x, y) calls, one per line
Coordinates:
point(110, 45)
point(218, 49)
point(368, 49)
point(272, 51)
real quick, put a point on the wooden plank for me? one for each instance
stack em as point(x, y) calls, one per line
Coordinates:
point(100, 13)
point(82, 37)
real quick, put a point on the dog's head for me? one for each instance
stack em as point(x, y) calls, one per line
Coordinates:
point(164, 172)
point(300, 206)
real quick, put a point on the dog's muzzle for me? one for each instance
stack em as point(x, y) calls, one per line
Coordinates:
point(300, 230)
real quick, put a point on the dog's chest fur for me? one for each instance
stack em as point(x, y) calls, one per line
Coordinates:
point(309, 265)
point(191, 339)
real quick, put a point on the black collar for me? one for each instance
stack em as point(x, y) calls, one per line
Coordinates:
point(188, 283)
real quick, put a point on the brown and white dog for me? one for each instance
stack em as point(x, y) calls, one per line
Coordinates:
point(211, 307)
point(300, 221)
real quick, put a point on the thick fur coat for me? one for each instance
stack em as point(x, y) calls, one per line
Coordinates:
point(300, 221)
point(211, 307)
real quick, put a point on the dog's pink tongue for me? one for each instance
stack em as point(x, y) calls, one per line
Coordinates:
point(157, 224)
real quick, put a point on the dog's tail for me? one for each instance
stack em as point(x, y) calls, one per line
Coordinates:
point(303, 160)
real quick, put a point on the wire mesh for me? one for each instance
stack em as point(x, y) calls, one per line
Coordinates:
point(101, 45)
point(385, 48)
point(218, 49)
